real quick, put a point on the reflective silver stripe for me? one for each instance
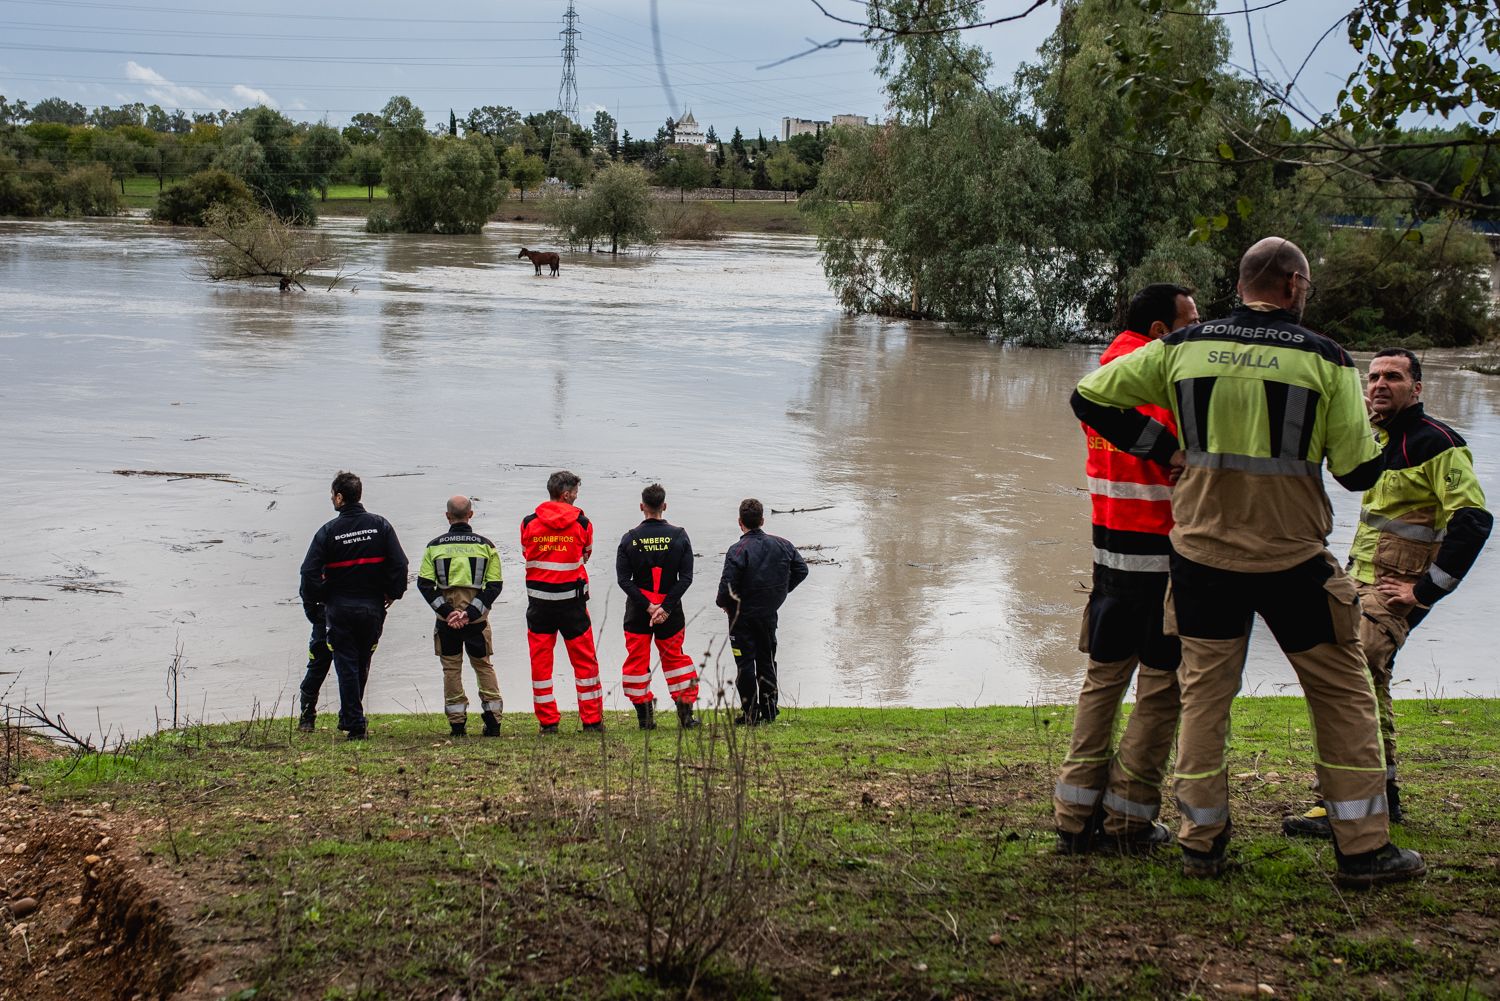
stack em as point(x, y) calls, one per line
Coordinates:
point(1417, 533)
point(1292, 423)
point(1129, 491)
point(1204, 816)
point(1187, 425)
point(1137, 563)
point(542, 686)
point(480, 562)
point(1130, 808)
point(543, 699)
point(544, 565)
point(683, 686)
point(1148, 439)
point(1077, 795)
point(682, 672)
point(1441, 578)
point(593, 696)
point(456, 707)
point(437, 603)
point(1253, 464)
point(1355, 809)
point(493, 705)
point(440, 571)
point(478, 607)
point(635, 689)
point(551, 595)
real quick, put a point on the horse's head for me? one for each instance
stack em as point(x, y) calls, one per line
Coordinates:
point(522, 254)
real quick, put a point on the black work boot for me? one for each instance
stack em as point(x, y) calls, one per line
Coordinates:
point(594, 727)
point(307, 724)
point(548, 728)
point(357, 735)
point(1393, 801)
point(491, 723)
point(1384, 865)
point(685, 718)
point(458, 729)
point(645, 715)
point(1142, 841)
point(1312, 824)
point(1210, 864)
point(1074, 842)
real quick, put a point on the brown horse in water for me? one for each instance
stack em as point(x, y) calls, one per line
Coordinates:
point(539, 258)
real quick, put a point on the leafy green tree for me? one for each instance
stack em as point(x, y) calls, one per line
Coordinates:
point(452, 186)
point(318, 154)
point(167, 158)
point(737, 145)
point(500, 122)
point(87, 191)
point(20, 192)
point(363, 128)
point(616, 207)
point(786, 171)
point(184, 203)
point(14, 112)
point(56, 111)
point(568, 166)
point(606, 132)
point(364, 165)
point(119, 156)
point(734, 176)
point(261, 150)
point(685, 170)
point(52, 141)
point(525, 170)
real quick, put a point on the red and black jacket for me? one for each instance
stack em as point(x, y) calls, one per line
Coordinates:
point(556, 542)
point(1131, 495)
point(654, 566)
point(354, 557)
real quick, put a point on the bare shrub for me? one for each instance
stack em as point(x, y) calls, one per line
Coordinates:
point(701, 853)
point(688, 221)
point(249, 244)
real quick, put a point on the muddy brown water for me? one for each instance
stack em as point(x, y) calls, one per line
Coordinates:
point(954, 540)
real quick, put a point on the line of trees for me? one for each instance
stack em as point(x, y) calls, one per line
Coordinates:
point(1035, 207)
point(441, 178)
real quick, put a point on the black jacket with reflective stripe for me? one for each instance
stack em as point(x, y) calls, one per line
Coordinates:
point(355, 556)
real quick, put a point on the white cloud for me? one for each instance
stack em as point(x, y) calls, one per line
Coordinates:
point(254, 95)
point(169, 94)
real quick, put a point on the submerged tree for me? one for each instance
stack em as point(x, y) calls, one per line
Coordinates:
point(249, 244)
point(616, 209)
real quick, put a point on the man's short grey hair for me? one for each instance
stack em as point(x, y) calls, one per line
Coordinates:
point(1266, 265)
point(456, 509)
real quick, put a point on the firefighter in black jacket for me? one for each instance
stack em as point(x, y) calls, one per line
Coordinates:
point(760, 570)
point(354, 569)
point(654, 567)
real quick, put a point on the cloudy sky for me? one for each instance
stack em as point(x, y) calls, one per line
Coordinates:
point(317, 61)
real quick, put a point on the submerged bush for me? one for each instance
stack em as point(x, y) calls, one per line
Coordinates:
point(184, 203)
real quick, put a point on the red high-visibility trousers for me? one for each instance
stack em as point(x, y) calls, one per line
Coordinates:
point(543, 625)
point(677, 667)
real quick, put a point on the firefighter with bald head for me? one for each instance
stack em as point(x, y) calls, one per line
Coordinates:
point(1261, 404)
point(460, 579)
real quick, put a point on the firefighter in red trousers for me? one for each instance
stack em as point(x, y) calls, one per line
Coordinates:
point(1103, 799)
point(556, 542)
point(654, 566)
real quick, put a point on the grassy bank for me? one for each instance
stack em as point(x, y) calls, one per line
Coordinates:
point(352, 200)
point(835, 854)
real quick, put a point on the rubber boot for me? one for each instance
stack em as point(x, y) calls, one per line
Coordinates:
point(685, 718)
point(645, 715)
point(1393, 801)
point(458, 729)
point(1384, 865)
point(308, 722)
point(491, 723)
point(594, 727)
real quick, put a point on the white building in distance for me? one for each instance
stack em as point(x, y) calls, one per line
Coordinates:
point(686, 132)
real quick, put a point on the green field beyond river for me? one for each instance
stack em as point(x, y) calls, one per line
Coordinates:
point(939, 476)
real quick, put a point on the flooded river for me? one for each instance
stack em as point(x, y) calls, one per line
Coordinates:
point(950, 550)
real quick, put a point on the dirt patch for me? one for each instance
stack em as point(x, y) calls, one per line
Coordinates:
point(79, 921)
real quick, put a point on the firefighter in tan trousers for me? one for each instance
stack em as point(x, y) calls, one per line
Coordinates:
point(1106, 800)
point(1261, 403)
point(460, 579)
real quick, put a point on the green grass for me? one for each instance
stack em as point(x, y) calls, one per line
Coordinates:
point(900, 844)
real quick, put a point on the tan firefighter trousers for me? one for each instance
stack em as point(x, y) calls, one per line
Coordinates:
point(450, 644)
point(1313, 611)
point(1129, 780)
point(1382, 633)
